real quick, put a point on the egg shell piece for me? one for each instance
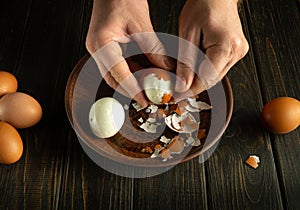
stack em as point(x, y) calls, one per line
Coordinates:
point(165, 139)
point(107, 117)
point(137, 107)
point(189, 141)
point(177, 123)
point(196, 143)
point(11, 145)
point(253, 161)
point(176, 146)
point(20, 110)
point(8, 83)
point(152, 108)
point(199, 104)
point(149, 127)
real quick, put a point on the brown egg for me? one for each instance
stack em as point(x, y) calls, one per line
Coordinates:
point(281, 115)
point(11, 145)
point(8, 83)
point(20, 110)
point(158, 85)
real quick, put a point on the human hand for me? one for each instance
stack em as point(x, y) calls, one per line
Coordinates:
point(215, 28)
point(111, 21)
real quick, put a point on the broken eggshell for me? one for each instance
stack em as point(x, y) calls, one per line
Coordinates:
point(178, 123)
point(200, 105)
point(158, 85)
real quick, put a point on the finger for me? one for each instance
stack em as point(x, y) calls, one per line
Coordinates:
point(100, 57)
point(240, 48)
point(206, 77)
point(110, 80)
point(216, 65)
point(227, 67)
point(123, 76)
point(197, 87)
point(110, 55)
point(154, 49)
point(188, 53)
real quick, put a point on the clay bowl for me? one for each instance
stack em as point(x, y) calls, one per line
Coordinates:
point(84, 87)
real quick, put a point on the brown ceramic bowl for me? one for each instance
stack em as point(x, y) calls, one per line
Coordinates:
point(84, 88)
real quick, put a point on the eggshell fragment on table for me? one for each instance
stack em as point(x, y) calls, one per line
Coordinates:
point(253, 161)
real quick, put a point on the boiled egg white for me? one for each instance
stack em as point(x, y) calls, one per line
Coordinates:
point(158, 85)
point(106, 117)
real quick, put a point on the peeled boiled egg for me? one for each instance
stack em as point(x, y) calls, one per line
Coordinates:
point(20, 110)
point(281, 115)
point(11, 145)
point(158, 85)
point(8, 83)
point(106, 117)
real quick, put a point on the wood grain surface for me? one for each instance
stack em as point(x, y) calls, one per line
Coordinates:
point(278, 70)
point(41, 41)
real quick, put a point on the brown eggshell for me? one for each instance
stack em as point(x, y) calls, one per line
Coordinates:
point(20, 110)
point(11, 145)
point(176, 146)
point(281, 115)
point(8, 83)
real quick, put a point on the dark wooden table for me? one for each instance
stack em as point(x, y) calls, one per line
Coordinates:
point(41, 41)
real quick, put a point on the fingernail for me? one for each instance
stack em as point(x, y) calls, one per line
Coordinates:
point(144, 104)
point(169, 63)
point(180, 85)
point(141, 100)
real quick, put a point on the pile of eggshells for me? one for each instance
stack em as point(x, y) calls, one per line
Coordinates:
point(107, 115)
point(17, 110)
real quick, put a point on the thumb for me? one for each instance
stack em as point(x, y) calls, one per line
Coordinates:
point(188, 53)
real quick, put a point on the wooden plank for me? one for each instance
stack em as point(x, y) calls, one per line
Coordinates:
point(86, 15)
point(164, 15)
point(231, 183)
point(13, 20)
point(49, 51)
point(86, 185)
point(278, 36)
point(184, 186)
